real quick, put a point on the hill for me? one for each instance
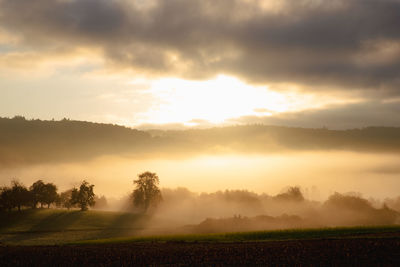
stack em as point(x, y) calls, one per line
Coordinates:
point(50, 226)
point(34, 141)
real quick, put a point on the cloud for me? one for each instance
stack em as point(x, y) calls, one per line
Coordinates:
point(319, 44)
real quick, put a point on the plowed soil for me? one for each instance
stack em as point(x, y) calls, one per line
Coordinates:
point(379, 251)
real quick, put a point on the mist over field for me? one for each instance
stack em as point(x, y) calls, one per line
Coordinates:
point(318, 173)
point(263, 159)
point(236, 175)
point(200, 132)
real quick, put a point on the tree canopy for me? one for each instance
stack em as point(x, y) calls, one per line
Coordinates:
point(37, 192)
point(146, 193)
point(6, 202)
point(65, 199)
point(84, 197)
point(43, 193)
point(18, 194)
point(50, 194)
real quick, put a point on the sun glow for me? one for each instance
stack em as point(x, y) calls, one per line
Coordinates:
point(216, 100)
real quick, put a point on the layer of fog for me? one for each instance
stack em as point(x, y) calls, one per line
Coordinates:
point(239, 192)
point(183, 211)
point(319, 173)
point(241, 210)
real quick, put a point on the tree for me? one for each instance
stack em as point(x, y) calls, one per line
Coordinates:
point(20, 195)
point(84, 196)
point(5, 198)
point(147, 192)
point(43, 193)
point(292, 194)
point(49, 194)
point(37, 191)
point(65, 199)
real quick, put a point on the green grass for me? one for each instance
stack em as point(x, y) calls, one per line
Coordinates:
point(61, 220)
point(294, 234)
point(52, 226)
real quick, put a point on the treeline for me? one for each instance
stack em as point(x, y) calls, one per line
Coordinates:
point(18, 196)
point(289, 209)
point(34, 141)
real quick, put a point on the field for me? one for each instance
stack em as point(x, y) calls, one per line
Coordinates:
point(51, 227)
point(313, 252)
point(61, 238)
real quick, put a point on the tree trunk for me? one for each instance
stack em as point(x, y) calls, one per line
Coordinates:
point(19, 207)
point(48, 206)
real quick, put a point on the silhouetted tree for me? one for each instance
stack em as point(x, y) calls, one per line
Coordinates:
point(20, 195)
point(6, 198)
point(147, 192)
point(49, 194)
point(65, 199)
point(84, 196)
point(37, 192)
point(19, 118)
point(43, 193)
point(292, 194)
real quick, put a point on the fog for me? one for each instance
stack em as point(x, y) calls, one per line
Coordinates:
point(318, 173)
point(228, 178)
point(240, 210)
point(239, 192)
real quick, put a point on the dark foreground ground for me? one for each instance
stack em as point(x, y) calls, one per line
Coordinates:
point(377, 251)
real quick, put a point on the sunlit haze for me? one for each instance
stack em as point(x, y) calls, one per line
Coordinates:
point(209, 95)
point(218, 100)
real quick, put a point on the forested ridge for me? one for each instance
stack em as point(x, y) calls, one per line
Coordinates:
point(37, 141)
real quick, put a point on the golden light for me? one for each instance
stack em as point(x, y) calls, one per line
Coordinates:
point(216, 100)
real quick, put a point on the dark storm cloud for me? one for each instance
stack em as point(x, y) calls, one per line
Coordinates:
point(371, 113)
point(320, 44)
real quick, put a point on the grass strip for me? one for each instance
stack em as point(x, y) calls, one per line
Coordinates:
point(292, 234)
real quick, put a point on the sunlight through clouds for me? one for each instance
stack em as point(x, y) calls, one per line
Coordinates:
point(219, 99)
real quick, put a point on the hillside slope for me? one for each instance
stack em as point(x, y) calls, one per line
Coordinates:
point(50, 226)
point(34, 141)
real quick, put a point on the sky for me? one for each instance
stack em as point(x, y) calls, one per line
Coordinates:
point(201, 63)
